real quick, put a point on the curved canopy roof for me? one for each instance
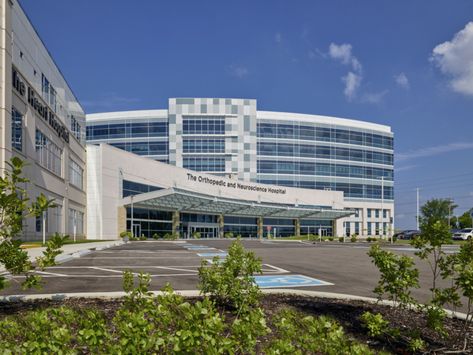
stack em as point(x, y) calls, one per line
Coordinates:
point(186, 201)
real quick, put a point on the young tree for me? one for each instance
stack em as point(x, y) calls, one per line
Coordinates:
point(437, 210)
point(14, 207)
point(435, 232)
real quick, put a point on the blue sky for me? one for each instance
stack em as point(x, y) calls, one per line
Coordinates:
point(407, 64)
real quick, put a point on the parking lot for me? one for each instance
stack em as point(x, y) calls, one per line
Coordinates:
point(328, 267)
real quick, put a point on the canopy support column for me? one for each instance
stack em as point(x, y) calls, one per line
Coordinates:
point(260, 227)
point(221, 225)
point(175, 223)
point(297, 227)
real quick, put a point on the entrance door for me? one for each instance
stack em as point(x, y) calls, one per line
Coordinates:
point(205, 230)
point(137, 230)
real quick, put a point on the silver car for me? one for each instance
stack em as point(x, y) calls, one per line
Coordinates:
point(463, 234)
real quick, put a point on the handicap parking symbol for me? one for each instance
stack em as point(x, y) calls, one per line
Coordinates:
point(288, 281)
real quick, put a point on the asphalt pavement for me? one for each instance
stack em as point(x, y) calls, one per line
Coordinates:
point(328, 267)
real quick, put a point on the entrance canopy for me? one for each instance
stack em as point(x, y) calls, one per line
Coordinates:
point(174, 199)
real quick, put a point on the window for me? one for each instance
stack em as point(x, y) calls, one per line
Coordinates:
point(368, 225)
point(76, 174)
point(49, 93)
point(369, 213)
point(16, 129)
point(203, 125)
point(213, 164)
point(75, 128)
point(385, 213)
point(202, 145)
point(76, 222)
point(376, 213)
point(48, 154)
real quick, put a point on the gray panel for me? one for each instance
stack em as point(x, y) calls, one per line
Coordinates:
point(185, 101)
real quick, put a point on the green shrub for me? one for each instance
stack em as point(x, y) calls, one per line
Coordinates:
point(170, 236)
point(228, 235)
point(196, 235)
point(368, 239)
point(156, 236)
point(330, 239)
point(301, 334)
point(341, 239)
point(353, 238)
point(375, 323)
point(125, 234)
point(230, 282)
point(398, 276)
point(143, 237)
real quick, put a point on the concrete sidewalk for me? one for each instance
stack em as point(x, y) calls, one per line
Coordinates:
point(71, 251)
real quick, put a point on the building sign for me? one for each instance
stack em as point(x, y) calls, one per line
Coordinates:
point(39, 106)
point(235, 185)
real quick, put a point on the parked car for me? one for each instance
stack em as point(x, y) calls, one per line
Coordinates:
point(463, 234)
point(407, 234)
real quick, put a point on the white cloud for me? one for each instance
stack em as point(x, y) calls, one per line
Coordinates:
point(402, 81)
point(238, 71)
point(374, 97)
point(432, 151)
point(455, 59)
point(352, 83)
point(404, 168)
point(343, 53)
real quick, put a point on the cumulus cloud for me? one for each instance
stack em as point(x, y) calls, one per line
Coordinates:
point(454, 58)
point(238, 71)
point(433, 151)
point(352, 80)
point(402, 81)
point(352, 83)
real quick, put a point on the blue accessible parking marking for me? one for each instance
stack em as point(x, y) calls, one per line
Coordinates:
point(288, 281)
point(211, 255)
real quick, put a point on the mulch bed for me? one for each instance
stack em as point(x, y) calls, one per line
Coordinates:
point(347, 313)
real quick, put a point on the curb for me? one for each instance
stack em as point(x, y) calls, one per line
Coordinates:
point(196, 293)
point(62, 258)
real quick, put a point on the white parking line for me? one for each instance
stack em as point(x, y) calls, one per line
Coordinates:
point(277, 269)
point(141, 257)
point(104, 269)
point(174, 268)
point(51, 274)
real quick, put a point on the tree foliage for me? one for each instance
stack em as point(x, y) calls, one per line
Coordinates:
point(15, 206)
point(437, 210)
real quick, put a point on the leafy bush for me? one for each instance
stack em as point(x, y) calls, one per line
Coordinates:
point(126, 234)
point(230, 282)
point(368, 239)
point(341, 239)
point(156, 236)
point(196, 235)
point(375, 323)
point(300, 334)
point(353, 238)
point(398, 276)
point(228, 235)
point(330, 239)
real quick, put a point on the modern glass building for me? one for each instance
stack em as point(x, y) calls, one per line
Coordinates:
point(231, 138)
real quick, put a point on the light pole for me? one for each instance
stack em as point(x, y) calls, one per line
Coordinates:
point(417, 216)
point(131, 221)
